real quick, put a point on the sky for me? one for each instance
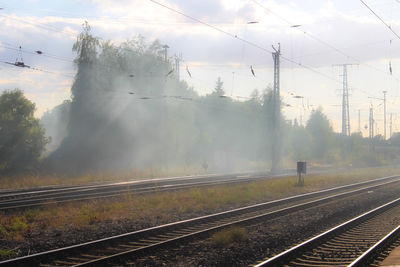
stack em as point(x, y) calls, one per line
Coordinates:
point(215, 40)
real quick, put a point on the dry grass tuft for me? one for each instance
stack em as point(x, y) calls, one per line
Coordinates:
point(229, 236)
point(167, 206)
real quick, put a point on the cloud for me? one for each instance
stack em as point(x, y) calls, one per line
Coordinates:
point(345, 25)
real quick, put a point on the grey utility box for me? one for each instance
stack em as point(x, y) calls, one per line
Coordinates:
point(301, 167)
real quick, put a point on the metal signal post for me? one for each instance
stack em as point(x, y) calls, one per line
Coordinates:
point(276, 118)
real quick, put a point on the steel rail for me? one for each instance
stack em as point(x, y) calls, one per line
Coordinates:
point(36, 198)
point(27, 199)
point(61, 197)
point(142, 240)
point(381, 245)
point(294, 255)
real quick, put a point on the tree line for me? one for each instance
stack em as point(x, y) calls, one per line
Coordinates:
point(129, 110)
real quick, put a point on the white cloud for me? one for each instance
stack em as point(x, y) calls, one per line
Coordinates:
point(344, 25)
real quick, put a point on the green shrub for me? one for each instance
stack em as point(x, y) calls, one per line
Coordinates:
point(6, 254)
point(31, 215)
point(228, 236)
point(18, 225)
point(3, 231)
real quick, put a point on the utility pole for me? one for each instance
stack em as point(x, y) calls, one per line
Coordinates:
point(371, 122)
point(276, 118)
point(165, 52)
point(384, 112)
point(177, 65)
point(233, 82)
point(345, 102)
point(384, 115)
point(390, 127)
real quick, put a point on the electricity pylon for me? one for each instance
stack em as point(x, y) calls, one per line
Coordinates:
point(276, 118)
point(345, 102)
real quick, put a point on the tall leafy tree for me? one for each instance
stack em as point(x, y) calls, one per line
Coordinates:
point(22, 139)
point(56, 122)
point(219, 87)
point(321, 133)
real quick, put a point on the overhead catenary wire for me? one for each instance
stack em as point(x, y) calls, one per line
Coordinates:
point(233, 36)
point(41, 53)
point(45, 27)
point(376, 15)
point(297, 27)
point(244, 40)
point(70, 60)
point(266, 50)
point(14, 48)
point(38, 69)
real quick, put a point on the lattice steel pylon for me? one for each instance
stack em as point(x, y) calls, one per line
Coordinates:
point(371, 122)
point(276, 118)
point(345, 102)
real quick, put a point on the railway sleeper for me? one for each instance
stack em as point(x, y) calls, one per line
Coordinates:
point(323, 257)
point(129, 246)
point(354, 242)
point(298, 262)
point(167, 236)
point(158, 239)
point(325, 250)
point(64, 263)
point(324, 261)
point(364, 238)
point(345, 246)
point(139, 244)
point(89, 256)
point(76, 259)
point(197, 228)
point(183, 232)
point(110, 250)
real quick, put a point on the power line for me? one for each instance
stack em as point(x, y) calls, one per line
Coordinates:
point(37, 52)
point(216, 28)
point(318, 39)
point(37, 69)
point(208, 25)
point(45, 27)
point(298, 28)
point(230, 34)
point(376, 15)
point(243, 40)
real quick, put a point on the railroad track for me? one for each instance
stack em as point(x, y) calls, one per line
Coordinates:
point(20, 199)
point(112, 249)
point(28, 198)
point(352, 243)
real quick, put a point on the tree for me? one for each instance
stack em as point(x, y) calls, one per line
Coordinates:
point(22, 139)
point(219, 87)
point(86, 45)
point(395, 139)
point(55, 122)
point(321, 132)
point(299, 143)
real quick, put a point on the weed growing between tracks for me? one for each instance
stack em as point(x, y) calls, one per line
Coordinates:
point(229, 236)
point(7, 254)
point(54, 223)
point(29, 181)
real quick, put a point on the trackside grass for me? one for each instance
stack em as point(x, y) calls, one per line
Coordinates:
point(164, 207)
point(228, 236)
